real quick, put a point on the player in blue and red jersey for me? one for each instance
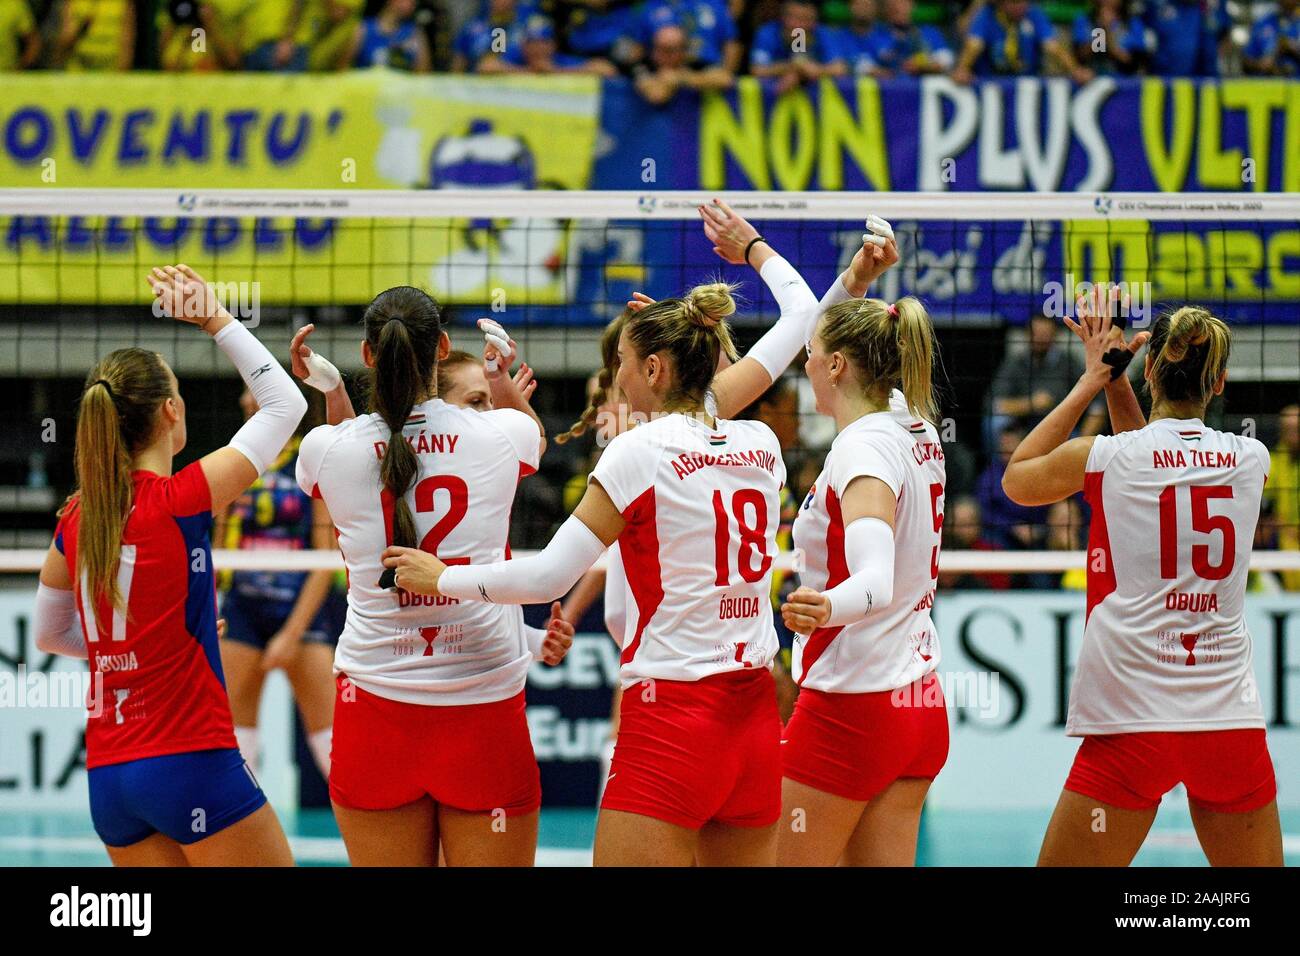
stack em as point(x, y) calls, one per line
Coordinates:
point(128, 585)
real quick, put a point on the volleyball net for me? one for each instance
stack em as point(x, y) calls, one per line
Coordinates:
point(553, 267)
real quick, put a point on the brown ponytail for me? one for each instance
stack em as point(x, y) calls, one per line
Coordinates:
point(1189, 351)
point(117, 417)
point(403, 329)
point(890, 346)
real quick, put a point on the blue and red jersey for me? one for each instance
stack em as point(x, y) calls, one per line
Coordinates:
point(157, 685)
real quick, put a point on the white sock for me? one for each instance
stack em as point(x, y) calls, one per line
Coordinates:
point(606, 760)
point(249, 741)
point(319, 743)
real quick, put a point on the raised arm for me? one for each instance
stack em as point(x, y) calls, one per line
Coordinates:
point(185, 296)
point(735, 240)
point(320, 373)
point(499, 353)
point(1121, 401)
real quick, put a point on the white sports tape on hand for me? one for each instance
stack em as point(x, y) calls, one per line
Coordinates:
point(321, 373)
point(495, 336)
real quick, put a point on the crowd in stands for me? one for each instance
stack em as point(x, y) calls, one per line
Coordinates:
point(663, 45)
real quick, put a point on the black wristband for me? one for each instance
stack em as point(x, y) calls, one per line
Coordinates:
point(751, 246)
point(1118, 359)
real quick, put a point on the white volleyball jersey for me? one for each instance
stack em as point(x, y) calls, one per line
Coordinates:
point(411, 647)
point(702, 507)
point(893, 646)
point(1165, 646)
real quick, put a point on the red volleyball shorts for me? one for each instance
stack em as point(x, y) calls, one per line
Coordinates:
point(856, 745)
point(694, 752)
point(1225, 771)
point(474, 757)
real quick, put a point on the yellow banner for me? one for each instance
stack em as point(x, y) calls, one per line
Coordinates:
point(361, 130)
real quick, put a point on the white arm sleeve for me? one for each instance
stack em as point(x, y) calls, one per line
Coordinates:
point(615, 595)
point(869, 553)
point(780, 344)
point(535, 637)
point(280, 406)
point(545, 576)
point(836, 294)
point(58, 628)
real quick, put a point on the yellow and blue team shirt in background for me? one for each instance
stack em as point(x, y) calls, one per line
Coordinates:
point(16, 22)
point(330, 40)
point(1011, 48)
point(100, 27)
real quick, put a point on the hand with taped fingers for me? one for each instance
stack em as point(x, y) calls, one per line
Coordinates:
point(805, 610)
point(413, 570)
point(1101, 329)
point(499, 349)
point(876, 256)
point(314, 369)
point(559, 637)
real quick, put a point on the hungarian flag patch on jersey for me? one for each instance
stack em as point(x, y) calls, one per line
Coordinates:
point(417, 419)
point(1190, 436)
point(917, 428)
point(716, 440)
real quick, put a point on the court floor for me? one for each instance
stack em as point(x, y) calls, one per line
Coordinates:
point(949, 837)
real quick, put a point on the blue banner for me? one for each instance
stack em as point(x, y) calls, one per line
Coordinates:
point(930, 134)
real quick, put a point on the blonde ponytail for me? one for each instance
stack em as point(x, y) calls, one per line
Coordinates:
point(890, 346)
point(1189, 352)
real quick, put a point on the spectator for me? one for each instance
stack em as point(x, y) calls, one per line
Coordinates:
point(1109, 39)
point(96, 35)
point(1007, 524)
point(1283, 488)
point(483, 41)
point(1064, 533)
point(1274, 45)
point(1011, 38)
point(336, 25)
point(963, 530)
point(858, 41)
point(710, 29)
point(602, 28)
point(20, 40)
point(536, 53)
point(1033, 380)
point(274, 36)
point(179, 49)
point(905, 47)
point(392, 39)
point(670, 69)
point(1187, 34)
point(795, 49)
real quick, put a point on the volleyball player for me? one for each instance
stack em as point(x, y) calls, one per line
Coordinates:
point(128, 584)
point(692, 500)
point(431, 741)
point(1164, 690)
point(280, 619)
point(468, 382)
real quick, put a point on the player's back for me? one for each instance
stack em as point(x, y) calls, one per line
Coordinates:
point(702, 507)
point(1174, 509)
point(158, 685)
point(897, 644)
point(410, 647)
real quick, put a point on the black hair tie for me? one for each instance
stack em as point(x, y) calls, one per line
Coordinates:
point(751, 246)
point(108, 388)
